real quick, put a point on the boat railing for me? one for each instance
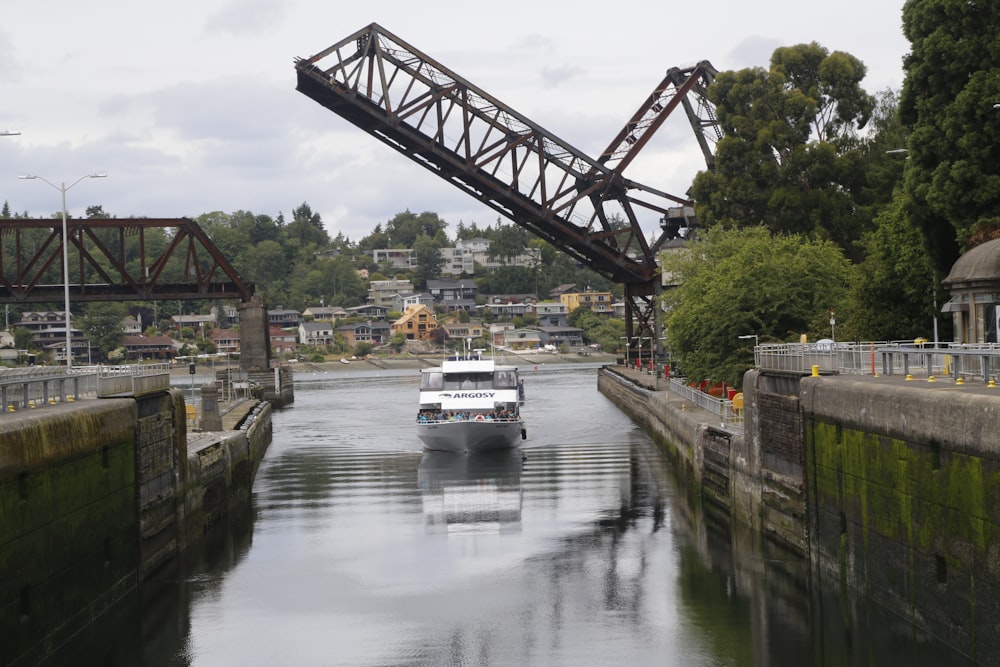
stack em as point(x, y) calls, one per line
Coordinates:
point(465, 418)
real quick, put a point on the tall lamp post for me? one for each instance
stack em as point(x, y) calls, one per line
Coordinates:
point(754, 337)
point(62, 188)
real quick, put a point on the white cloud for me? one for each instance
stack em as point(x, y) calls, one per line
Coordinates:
point(246, 17)
point(190, 107)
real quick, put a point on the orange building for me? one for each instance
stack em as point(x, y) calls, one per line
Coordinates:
point(417, 322)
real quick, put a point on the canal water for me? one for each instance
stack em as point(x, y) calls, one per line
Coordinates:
point(583, 548)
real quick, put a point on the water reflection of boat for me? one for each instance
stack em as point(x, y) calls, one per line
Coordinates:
point(471, 493)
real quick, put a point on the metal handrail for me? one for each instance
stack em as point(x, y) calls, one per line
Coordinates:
point(133, 370)
point(958, 360)
point(45, 388)
point(720, 407)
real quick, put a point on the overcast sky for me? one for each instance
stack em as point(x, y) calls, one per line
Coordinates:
point(190, 106)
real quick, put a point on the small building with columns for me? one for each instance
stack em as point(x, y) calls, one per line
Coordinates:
point(973, 285)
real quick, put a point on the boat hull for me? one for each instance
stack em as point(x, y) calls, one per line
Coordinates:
point(470, 435)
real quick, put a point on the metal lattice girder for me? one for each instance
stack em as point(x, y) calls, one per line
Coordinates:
point(584, 207)
point(441, 121)
point(112, 260)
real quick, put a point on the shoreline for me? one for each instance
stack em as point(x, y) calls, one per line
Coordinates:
point(428, 361)
point(405, 361)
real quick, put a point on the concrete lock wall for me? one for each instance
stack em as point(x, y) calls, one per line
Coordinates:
point(95, 495)
point(892, 489)
point(904, 502)
point(68, 526)
point(221, 468)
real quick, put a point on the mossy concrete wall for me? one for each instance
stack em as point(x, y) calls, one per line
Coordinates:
point(904, 501)
point(755, 484)
point(892, 488)
point(97, 494)
point(68, 525)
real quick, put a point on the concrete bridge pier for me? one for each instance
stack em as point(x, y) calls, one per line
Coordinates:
point(255, 345)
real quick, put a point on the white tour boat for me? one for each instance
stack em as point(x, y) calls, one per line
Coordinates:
point(470, 403)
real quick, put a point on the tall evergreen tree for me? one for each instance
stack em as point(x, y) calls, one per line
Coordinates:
point(783, 161)
point(952, 83)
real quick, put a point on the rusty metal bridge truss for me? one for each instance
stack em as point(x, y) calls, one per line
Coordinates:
point(114, 260)
point(581, 205)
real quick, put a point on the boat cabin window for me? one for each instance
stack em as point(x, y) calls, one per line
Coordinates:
point(468, 381)
point(432, 380)
point(505, 379)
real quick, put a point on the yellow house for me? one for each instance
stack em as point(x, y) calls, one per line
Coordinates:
point(417, 322)
point(598, 302)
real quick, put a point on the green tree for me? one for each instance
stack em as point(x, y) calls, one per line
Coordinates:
point(404, 229)
point(398, 341)
point(892, 297)
point(23, 339)
point(740, 282)
point(509, 242)
point(427, 252)
point(265, 264)
point(306, 228)
point(782, 160)
point(952, 80)
point(102, 323)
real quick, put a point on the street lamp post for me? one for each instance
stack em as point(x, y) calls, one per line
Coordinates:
point(754, 337)
point(625, 338)
point(62, 188)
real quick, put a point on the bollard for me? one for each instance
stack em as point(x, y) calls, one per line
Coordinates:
point(991, 383)
point(815, 371)
point(959, 381)
point(909, 377)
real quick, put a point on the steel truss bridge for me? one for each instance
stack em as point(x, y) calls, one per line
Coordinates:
point(114, 259)
point(583, 206)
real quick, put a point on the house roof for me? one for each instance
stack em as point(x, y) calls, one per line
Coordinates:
point(225, 334)
point(976, 267)
point(379, 325)
point(368, 307)
point(323, 310)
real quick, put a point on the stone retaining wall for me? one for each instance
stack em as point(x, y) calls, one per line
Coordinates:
point(95, 495)
point(68, 523)
point(889, 487)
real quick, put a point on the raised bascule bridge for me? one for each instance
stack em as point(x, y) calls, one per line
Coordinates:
point(583, 206)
